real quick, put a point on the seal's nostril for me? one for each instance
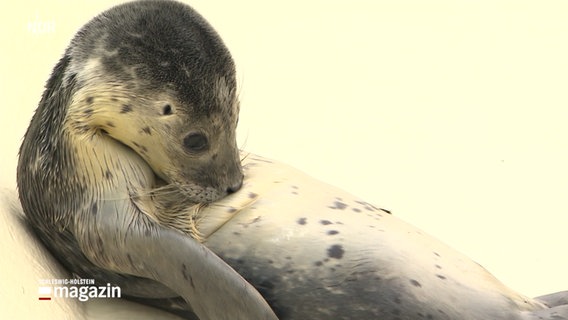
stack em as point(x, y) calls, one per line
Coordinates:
point(235, 188)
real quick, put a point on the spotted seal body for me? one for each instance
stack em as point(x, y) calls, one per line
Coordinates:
point(317, 252)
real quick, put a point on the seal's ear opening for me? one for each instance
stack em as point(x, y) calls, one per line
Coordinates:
point(167, 110)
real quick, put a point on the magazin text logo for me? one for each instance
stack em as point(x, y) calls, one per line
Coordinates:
point(80, 289)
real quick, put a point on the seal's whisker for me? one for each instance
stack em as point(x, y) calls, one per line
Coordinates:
point(244, 145)
point(240, 86)
point(245, 157)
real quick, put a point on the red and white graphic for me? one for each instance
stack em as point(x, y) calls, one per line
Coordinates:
point(44, 293)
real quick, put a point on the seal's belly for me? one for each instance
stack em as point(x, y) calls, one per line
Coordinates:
point(317, 252)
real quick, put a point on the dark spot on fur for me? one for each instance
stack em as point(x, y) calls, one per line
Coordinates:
point(147, 130)
point(236, 233)
point(143, 149)
point(356, 209)
point(441, 276)
point(253, 221)
point(302, 221)
point(186, 275)
point(110, 124)
point(397, 300)
point(288, 258)
point(318, 264)
point(94, 208)
point(89, 100)
point(125, 108)
point(387, 211)
point(326, 222)
point(108, 174)
point(336, 251)
point(332, 232)
point(113, 99)
point(438, 266)
point(232, 210)
point(252, 195)
point(436, 253)
point(184, 271)
point(129, 259)
point(415, 283)
point(338, 205)
point(147, 232)
point(295, 187)
point(88, 112)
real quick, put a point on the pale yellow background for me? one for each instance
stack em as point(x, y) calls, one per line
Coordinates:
point(452, 114)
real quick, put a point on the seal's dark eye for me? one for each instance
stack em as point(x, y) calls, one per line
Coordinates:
point(195, 142)
point(167, 110)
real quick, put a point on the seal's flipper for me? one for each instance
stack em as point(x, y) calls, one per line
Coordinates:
point(555, 299)
point(121, 239)
point(558, 303)
point(556, 313)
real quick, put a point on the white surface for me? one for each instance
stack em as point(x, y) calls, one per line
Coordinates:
point(452, 114)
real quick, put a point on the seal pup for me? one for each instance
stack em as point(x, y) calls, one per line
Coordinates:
point(144, 99)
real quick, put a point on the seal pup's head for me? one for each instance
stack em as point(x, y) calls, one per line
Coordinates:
point(158, 79)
